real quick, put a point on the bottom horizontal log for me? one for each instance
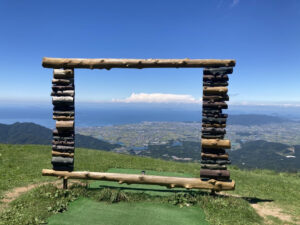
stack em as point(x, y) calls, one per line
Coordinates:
point(170, 182)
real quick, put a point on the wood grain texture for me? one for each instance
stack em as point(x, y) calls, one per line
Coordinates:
point(170, 182)
point(63, 74)
point(64, 124)
point(63, 154)
point(106, 63)
point(214, 156)
point(215, 143)
point(215, 174)
point(215, 90)
point(208, 125)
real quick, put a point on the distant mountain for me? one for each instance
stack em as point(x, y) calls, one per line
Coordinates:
point(31, 133)
point(267, 155)
point(254, 119)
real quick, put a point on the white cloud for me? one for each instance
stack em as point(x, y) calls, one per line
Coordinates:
point(158, 98)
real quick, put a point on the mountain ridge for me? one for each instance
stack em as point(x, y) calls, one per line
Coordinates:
point(31, 133)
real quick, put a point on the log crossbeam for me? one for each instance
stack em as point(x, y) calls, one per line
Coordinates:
point(106, 63)
point(170, 182)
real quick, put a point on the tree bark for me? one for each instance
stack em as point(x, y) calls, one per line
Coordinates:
point(215, 174)
point(64, 124)
point(63, 74)
point(170, 182)
point(63, 117)
point(213, 167)
point(215, 143)
point(63, 154)
point(214, 156)
point(215, 90)
point(218, 71)
point(208, 125)
point(133, 63)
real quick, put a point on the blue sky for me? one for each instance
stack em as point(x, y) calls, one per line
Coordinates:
point(262, 35)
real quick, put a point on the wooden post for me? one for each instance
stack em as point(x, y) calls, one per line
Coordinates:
point(214, 157)
point(65, 183)
point(63, 144)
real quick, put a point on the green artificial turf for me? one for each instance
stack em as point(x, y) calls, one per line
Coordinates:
point(87, 211)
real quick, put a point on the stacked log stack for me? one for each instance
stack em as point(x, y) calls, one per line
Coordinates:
point(214, 157)
point(63, 112)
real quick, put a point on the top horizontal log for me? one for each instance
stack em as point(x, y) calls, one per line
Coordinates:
point(70, 63)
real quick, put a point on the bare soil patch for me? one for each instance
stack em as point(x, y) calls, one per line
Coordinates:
point(270, 209)
point(16, 192)
point(265, 209)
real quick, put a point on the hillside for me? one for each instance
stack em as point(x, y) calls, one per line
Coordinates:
point(31, 133)
point(24, 167)
point(252, 154)
point(267, 155)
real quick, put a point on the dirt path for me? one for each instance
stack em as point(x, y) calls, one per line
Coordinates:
point(270, 209)
point(16, 192)
point(265, 209)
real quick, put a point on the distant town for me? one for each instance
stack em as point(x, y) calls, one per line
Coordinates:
point(139, 136)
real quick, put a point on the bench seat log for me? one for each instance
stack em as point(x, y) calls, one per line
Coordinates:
point(170, 182)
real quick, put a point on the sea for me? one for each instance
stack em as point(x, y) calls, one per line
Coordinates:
point(93, 115)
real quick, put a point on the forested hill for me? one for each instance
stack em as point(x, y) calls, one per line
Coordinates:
point(30, 133)
point(267, 155)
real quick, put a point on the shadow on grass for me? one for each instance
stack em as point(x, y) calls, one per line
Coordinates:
point(254, 200)
point(152, 190)
point(251, 200)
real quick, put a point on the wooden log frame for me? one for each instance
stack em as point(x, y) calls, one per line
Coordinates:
point(170, 182)
point(214, 158)
point(103, 63)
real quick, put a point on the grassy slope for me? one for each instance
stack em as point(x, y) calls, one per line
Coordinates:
point(21, 165)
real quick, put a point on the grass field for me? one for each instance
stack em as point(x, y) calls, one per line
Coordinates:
point(21, 165)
